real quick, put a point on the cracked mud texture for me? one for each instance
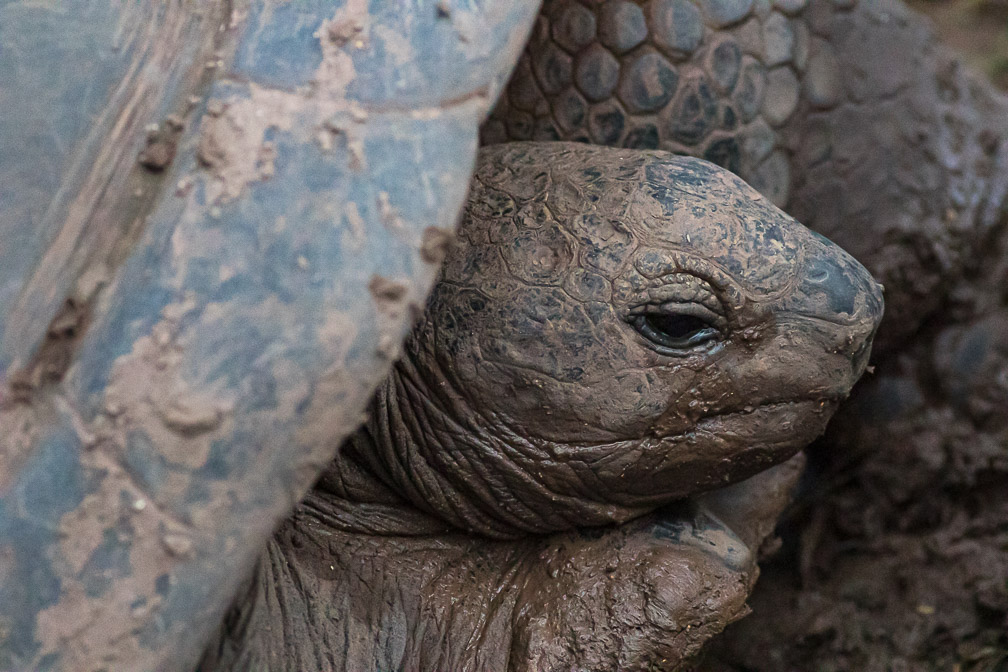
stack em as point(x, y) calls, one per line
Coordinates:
point(721, 335)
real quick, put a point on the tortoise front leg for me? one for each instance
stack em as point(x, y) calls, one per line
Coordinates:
point(645, 595)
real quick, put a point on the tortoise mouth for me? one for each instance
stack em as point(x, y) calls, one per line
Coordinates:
point(718, 449)
point(755, 421)
point(772, 418)
point(777, 426)
point(731, 445)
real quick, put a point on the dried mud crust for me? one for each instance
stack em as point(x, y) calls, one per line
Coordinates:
point(209, 359)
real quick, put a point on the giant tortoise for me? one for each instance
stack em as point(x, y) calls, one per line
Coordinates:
point(188, 341)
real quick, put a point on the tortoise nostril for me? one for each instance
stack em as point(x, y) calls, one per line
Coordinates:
point(835, 288)
point(839, 283)
point(875, 304)
point(818, 276)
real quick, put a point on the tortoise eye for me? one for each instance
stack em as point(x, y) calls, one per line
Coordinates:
point(674, 331)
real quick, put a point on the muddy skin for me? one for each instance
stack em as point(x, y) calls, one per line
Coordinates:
point(612, 331)
point(536, 396)
point(643, 596)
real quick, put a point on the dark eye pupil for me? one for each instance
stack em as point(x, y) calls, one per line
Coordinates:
point(675, 327)
point(678, 332)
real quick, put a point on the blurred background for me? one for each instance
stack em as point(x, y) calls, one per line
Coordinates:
point(976, 28)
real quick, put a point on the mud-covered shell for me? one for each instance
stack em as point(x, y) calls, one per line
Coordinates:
point(216, 226)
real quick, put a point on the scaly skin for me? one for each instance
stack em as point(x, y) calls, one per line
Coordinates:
point(847, 114)
point(530, 399)
point(643, 596)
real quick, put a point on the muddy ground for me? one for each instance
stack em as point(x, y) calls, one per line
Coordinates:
point(895, 556)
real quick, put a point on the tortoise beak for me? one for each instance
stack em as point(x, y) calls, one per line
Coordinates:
point(837, 290)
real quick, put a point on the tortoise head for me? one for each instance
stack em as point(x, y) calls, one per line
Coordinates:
point(616, 329)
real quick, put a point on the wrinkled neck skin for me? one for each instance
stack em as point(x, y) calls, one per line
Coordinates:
point(428, 461)
point(546, 389)
point(396, 473)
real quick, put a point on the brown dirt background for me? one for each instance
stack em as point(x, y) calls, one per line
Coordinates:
point(977, 29)
point(892, 561)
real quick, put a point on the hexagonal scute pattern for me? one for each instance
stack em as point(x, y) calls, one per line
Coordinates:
point(708, 78)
